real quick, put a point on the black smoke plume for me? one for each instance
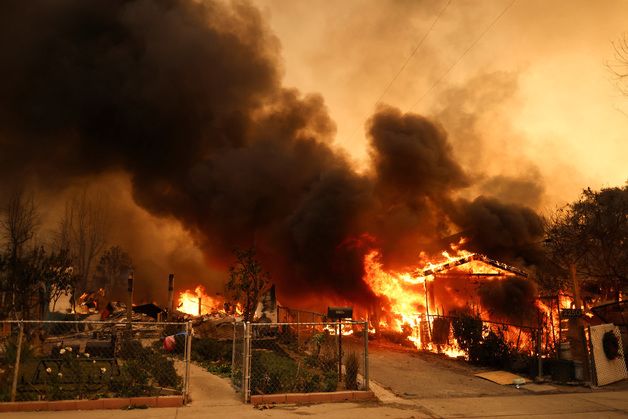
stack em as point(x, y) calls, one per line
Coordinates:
point(510, 299)
point(186, 98)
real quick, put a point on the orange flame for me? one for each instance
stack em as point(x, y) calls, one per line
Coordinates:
point(189, 302)
point(407, 307)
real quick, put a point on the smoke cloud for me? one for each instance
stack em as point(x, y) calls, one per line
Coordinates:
point(186, 99)
point(510, 299)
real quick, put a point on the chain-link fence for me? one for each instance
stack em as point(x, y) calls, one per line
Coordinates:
point(238, 359)
point(291, 315)
point(302, 357)
point(47, 360)
point(490, 343)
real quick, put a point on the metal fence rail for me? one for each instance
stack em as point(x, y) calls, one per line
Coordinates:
point(300, 357)
point(521, 339)
point(56, 360)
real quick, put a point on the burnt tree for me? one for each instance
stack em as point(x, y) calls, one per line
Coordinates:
point(247, 281)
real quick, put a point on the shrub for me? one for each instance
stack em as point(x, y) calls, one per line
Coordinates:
point(482, 345)
point(131, 349)
point(330, 381)
point(132, 381)
point(206, 349)
point(494, 351)
point(162, 370)
point(467, 331)
point(275, 373)
point(352, 366)
point(272, 373)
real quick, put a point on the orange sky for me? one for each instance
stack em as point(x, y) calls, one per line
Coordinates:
point(536, 86)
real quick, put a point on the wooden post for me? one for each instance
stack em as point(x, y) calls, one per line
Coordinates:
point(129, 304)
point(427, 309)
point(539, 359)
point(200, 304)
point(170, 306)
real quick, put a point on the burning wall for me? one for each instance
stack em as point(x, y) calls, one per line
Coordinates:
point(186, 99)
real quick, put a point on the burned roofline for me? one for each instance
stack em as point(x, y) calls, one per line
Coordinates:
point(466, 259)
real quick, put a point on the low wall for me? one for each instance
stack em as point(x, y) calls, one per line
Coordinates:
point(336, 396)
point(111, 403)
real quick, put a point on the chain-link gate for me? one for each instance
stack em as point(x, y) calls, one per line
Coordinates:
point(238, 355)
point(300, 357)
point(60, 360)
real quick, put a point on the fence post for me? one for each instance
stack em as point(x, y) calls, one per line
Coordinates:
point(233, 351)
point(246, 362)
point(298, 330)
point(188, 358)
point(366, 355)
point(17, 361)
point(539, 372)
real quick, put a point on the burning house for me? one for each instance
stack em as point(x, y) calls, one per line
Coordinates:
point(421, 302)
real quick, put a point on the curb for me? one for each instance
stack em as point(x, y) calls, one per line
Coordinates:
point(337, 396)
point(112, 403)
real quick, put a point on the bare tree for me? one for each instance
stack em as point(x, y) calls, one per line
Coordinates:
point(620, 66)
point(83, 231)
point(112, 270)
point(19, 224)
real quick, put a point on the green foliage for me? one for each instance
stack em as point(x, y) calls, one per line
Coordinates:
point(153, 363)
point(352, 366)
point(274, 373)
point(330, 380)
point(161, 369)
point(221, 369)
point(35, 273)
point(133, 380)
point(130, 349)
point(207, 349)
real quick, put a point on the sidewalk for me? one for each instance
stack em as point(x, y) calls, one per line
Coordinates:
point(576, 405)
point(213, 397)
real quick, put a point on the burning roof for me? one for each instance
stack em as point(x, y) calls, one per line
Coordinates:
point(453, 262)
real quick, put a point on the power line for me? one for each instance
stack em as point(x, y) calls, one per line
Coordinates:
point(414, 51)
point(473, 44)
point(407, 61)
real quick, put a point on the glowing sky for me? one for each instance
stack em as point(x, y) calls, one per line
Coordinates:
point(554, 108)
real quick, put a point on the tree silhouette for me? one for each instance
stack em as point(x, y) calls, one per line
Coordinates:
point(247, 281)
